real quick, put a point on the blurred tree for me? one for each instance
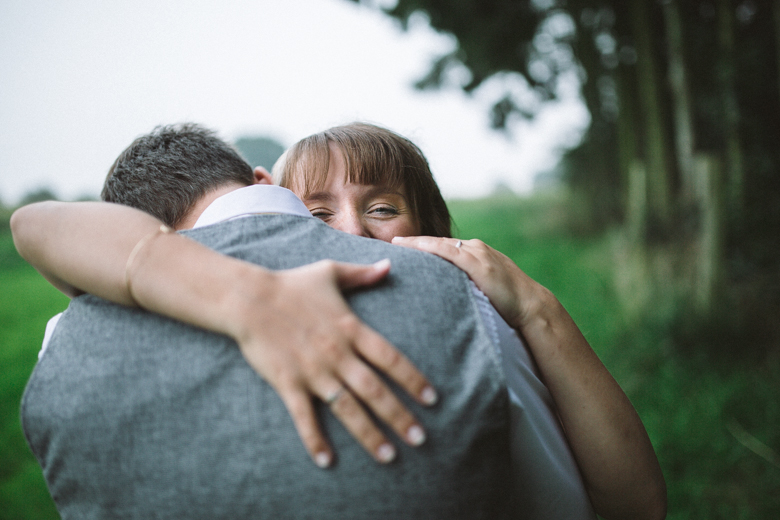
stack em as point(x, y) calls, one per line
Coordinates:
point(5, 220)
point(259, 151)
point(685, 120)
point(777, 39)
point(38, 195)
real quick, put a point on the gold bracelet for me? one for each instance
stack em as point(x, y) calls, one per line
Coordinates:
point(163, 229)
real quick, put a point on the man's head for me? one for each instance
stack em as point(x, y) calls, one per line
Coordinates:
point(168, 171)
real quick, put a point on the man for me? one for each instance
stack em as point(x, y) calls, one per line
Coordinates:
point(134, 415)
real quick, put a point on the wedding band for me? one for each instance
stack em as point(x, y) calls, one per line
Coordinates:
point(458, 244)
point(333, 397)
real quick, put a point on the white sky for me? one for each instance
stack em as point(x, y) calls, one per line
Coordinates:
point(79, 80)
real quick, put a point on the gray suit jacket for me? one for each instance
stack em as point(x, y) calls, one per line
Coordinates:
point(132, 415)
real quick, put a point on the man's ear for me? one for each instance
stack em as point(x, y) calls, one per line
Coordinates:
point(262, 176)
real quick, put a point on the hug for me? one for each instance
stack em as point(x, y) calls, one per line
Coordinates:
point(229, 327)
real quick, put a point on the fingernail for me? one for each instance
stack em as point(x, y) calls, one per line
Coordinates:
point(397, 239)
point(382, 264)
point(428, 395)
point(322, 459)
point(415, 435)
point(385, 453)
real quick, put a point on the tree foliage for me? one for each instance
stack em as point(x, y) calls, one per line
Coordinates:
point(684, 100)
point(259, 151)
point(38, 195)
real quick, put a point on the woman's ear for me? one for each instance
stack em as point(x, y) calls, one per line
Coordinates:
point(262, 176)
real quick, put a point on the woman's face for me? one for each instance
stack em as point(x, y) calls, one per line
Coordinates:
point(370, 211)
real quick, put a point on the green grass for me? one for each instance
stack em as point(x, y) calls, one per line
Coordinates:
point(700, 410)
point(533, 233)
point(706, 415)
point(27, 302)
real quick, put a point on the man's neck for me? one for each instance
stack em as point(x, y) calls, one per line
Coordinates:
point(205, 201)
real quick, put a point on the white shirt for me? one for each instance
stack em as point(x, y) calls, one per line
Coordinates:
point(545, 476)
point(251, 200)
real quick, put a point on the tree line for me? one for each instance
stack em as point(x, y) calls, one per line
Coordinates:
point(683, 149)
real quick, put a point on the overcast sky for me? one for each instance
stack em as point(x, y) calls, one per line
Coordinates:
point(79, 80)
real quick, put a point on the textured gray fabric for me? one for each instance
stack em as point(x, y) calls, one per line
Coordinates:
point(132, 415)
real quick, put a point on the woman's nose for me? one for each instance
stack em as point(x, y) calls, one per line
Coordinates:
point(353, 225)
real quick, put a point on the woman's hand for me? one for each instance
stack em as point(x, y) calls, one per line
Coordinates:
point(303, 339)
point(513, 293)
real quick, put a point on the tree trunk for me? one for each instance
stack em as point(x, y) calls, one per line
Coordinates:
point(733, 148)
point(636, 203)
point(709, 268)
point(632, 167)
point(681, 99)
point(777, 40)
point(655, 153)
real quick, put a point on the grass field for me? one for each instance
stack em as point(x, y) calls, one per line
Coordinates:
point(715, 422)
point(27, 302)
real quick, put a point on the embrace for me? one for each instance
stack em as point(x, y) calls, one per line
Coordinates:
point(244, 344)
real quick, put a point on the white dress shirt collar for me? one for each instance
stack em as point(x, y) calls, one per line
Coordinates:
point(251, 200)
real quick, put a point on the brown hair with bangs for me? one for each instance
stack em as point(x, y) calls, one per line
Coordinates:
point(373, 156)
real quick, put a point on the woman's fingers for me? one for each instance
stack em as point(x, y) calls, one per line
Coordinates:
point(372, 346)
point(301, 409)
point(494, 273)
point(298, 390)
point(469, 255)
point(459, 252)
point(359, 380)
point(385, 357)
point(355, 419)
point(351, 276)
point(307, 343)
point(344, 400)
point(364, 384)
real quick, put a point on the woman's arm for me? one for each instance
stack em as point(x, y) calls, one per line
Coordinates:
point(609, 441)
point(293, 327)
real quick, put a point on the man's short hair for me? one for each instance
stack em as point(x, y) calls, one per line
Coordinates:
point(167, 171)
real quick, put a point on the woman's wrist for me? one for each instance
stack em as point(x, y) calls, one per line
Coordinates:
point(537, 305)
point(226, 292)
point(139, 246)
point(552, 336)
point(247, 300)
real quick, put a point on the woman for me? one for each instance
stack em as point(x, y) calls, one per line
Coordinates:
point(373, 158)
point(369, 181)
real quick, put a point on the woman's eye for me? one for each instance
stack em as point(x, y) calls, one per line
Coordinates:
point(320, 214)
point(384, 211)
